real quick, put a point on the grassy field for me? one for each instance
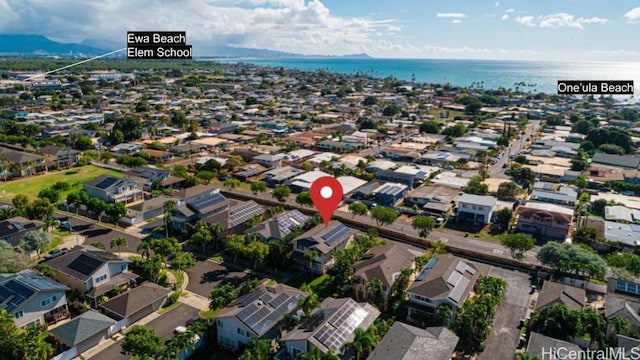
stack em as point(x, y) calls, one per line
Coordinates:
point(31, 186)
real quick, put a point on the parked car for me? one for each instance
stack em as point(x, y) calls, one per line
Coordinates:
point(179, 329)
point(55, 253)
point(627, 193)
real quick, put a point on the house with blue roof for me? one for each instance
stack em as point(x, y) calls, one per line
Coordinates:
point(33, 299)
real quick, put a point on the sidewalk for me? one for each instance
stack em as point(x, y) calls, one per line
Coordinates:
point(192, 299)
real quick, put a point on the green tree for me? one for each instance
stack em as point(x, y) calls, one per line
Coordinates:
point(256, 251)
point(116, 212)
point(118, 243)
point(40, 209)
point(130, 126)
point(144, 248)
point(202, 236)
point(423, 225)
point(183, 261)
point(232, 183)
point(281, 193)
point(503, 218)
point(35, 240)
point(384, 215)
point(508, 191)
point(50, 194)
point(20, 203)
point(260, 349)
point(476, 186)
point(304, 199)
point(222, 296)
point(358, 208)
point(363, 343)
point(258, 187)
point(572, 259)
point(168, 207)
point(309, 303)
point(430, 127)
point(165, 247)
point(235, 245)
point(142, 342)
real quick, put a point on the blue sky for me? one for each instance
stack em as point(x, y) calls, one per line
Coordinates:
point(469, 29)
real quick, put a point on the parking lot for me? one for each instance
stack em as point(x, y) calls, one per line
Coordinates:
point(163, 326)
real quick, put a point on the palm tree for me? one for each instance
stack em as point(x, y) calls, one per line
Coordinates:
point(144, 249)
point(118, 243)
point(168, 206)
point(443, 313)
point(309, 303)
point(439, 247)
point(618, 325)
point(375, 291)
point(362, 344)
point(216, 230)
point(310, 256)
point(314, 354)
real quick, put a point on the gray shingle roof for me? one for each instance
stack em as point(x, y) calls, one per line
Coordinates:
point(82, 327)
point(406, 342)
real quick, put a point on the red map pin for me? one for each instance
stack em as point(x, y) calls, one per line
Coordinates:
point(326, 193)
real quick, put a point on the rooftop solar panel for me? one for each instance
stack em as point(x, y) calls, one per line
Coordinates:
point(244, 212)
point(5, 294)
point(454, 278)
point(458, 291)
point(202, 204)
point(247, 312)
point(279, 300)
point(85, 264)
point(107, 182)
point(19, 289)
point(335, 234)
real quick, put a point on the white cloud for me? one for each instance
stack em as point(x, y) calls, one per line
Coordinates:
point(497, 4)
point(455, 21)
point(510, 10)
point(525, 20)
point(633, 15)
point(451, 15)
point(559, 20)
point(304, 26)
point(505, 17)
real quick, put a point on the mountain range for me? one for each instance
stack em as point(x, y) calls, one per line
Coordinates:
point(39, 45)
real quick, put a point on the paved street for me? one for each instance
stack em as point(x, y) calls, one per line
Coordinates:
point(163, 326)
point(206, 275)
point(515, 147)
point(503, 339)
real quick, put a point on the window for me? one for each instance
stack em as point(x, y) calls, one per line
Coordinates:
point(54, 298)
point(101, 278)
point(220, 323)
point(123, 267)
point(240, 331)
point(45, 302)
point(19, 314)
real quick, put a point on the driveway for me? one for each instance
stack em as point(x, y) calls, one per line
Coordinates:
point(163, 326)
point(503, 339)
point(206, 275)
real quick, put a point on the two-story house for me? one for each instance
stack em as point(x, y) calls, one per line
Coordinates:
point(91, 271)
point(313, 248)
point(14, 229)
point(27, 164)
point(330, 327)
point(146, 176)
point(111, 189)
point(446, 280)
point(256, 315)
point(408, 342)
point(58, 157)
point(476, 209)
point(554, 194)
point(33, 299)
point(545, 220)
point(385, 263)
point(278, 226)
point(623, 300)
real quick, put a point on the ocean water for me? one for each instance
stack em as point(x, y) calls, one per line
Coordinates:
point(538, 76)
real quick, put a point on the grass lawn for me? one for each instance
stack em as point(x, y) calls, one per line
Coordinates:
point(179, 278)
point(31, 186)
point(323, 286)
point(491, 237)
point(52, 245)
point(209, 314)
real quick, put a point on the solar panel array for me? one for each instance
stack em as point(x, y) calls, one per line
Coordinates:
point(266, 310)
point(459, 281)
point(40, 282)
point(335, 234)
point(13, 294)
point(340, 326)
point(85, 264)
point(244, 212)
point(106, 182)
point(204, 203)
point(427, 268)
point(287, 221)
point(627, 287)
point(464, 267)
point(458, 291)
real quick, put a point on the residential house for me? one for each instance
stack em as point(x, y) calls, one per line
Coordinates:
point(406, 342)
point(621, 161)
point(146, 176)
point(323, 240)
point(91, 271)
point(127, 149)
point(26, 164)
point(58, 157)
point(557, 293)
point(278, 226)
point(83, 332)
point(436, 199)
point(250, 172)
point(622, 214)
point(329, 327)
point(554, 194)
point(158, 156)
point(256, 315)
point(546, 220)
point(111, 189)
point(33, 299)
point(476, 209)
point(385, 263)
point(14, 229)
point(145, 210)
point(303, 182)
point(626, 234)
point(389, 194)
point(136, 303)
point(548, 348)
point(269, 160)
point(625, 307)
point(446, 280)
point(396, 177)
point(281, 175)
